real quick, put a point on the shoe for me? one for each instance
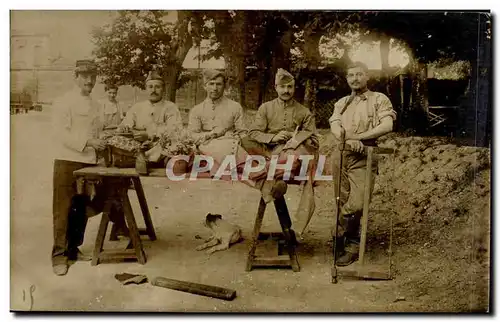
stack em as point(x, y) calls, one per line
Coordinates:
point(347, 259)
point(60, 269)
point(77, 255)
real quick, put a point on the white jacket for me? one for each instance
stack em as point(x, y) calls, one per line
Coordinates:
point(75, 120)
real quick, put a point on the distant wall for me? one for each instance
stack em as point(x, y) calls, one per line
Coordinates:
point(46, 85)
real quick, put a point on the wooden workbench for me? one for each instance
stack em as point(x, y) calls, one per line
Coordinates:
point(120, 180)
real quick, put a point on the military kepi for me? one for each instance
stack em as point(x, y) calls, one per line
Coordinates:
point(86, 66)
point(210, 74)
point(154, 75)
point(283, 77)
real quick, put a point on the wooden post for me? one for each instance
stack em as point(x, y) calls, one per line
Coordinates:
point(366, 206)
point(144, 208)
point(255, 235)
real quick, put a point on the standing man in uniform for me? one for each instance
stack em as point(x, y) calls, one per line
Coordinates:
point(76, 124)
point(284, 127)
point(217, 122)
point(111, 111)
point(364, 116)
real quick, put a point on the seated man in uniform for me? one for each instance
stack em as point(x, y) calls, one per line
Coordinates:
point(285, 128)
point(154, 117)
point(216, 124)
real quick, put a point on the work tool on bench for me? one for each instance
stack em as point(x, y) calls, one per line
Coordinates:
point(361, 272)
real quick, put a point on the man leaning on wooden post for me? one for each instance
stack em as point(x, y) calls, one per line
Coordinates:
point(76, 125)
point(365, 116)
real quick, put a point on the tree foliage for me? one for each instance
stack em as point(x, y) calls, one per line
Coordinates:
point(257, 43)
point(430, 35)
point(137, 41)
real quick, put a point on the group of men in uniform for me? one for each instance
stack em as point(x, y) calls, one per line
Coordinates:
point(282, 128)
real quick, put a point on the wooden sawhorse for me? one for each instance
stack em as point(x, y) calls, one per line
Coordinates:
point(287, 235)
point(121, 179)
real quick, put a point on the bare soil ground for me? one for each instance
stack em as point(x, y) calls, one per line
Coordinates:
point(438, 194)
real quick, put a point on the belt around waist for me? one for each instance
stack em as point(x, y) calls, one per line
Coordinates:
point(371, 142)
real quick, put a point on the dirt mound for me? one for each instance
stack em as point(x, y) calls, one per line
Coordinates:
point(439, 196)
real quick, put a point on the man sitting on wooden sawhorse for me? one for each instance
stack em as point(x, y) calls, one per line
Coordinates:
point(360, 118)
point(284, 130)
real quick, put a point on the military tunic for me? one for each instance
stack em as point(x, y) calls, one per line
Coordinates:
point(158, 118)
point(273, 117)
point(277, 115)
point(223, 116)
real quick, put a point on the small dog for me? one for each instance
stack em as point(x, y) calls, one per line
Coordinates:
point(224, 234)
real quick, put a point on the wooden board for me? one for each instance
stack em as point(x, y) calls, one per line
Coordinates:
point(116, 172)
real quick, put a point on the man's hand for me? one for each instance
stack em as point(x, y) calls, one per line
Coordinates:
point(290, 144)
point(217, 132)
point(282, 136)
point(351, 136)
point(204, 138)
point(123, 129)
point(141, 136)
point(356, 146)
point(97, 144)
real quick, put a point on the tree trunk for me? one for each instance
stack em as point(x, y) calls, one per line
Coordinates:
point(420, 108)
point(313, 58)
point(232, 72)
point(384, 58)
point(171, 75)
point(279, 57)
point(240, 28)
point(185, 42)
point(265, 80)
point(384, 52)
point(310, 94)
point(476, 113)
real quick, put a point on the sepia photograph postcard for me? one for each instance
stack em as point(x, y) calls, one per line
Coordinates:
point(291, 161)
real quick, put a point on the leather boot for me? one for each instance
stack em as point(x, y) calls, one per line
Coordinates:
point(347, 259)
point(352, 223)
point(339, 246)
